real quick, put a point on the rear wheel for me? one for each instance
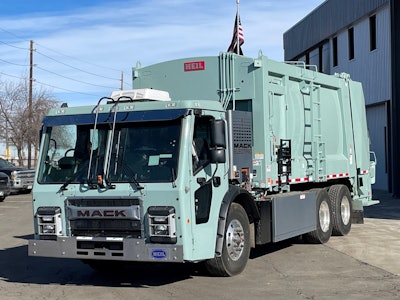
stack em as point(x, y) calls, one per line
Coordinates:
point(341, 209)
point(323, 231)
point(236, 248)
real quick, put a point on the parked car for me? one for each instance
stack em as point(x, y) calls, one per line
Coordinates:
point(21, 178)
point(5, 186)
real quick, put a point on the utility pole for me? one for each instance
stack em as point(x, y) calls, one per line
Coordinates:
point(30, 113)
point(122, 80)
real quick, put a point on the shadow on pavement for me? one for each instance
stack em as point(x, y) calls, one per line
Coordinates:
point(17, 266)
point(388, 208)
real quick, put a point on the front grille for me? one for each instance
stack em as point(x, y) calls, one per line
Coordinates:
point(103, 202)
point(29, 174)
point(107, 217)
point(3, 181)
point(106, 228)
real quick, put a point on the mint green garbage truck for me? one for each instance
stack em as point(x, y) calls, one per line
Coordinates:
point(203, 160)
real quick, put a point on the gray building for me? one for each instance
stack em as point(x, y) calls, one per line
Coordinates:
point(360, 37)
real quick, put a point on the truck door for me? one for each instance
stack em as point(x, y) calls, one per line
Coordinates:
point(206, 193)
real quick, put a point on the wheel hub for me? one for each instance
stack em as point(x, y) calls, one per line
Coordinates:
point(235, 240)
point(345, 210)
point(324, 216)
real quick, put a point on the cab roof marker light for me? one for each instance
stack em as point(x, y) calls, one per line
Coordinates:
point(140, 95)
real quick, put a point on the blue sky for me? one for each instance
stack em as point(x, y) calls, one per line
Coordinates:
point(82, 46)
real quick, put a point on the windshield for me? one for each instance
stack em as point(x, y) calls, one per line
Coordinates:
point(135, 152)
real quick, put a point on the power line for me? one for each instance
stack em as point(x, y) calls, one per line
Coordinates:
point(70, 66)
point(63, 89)
point(120, 80)
point(14, 35)
point(15, 64)
point(9, 75)
point(73, 79)
point(13, 46)
point(77, 59)
point(67, 65)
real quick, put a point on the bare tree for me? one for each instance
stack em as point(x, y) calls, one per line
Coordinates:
point(15, 121)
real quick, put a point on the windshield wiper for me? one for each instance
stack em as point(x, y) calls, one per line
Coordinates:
point(132, 178)
point(77, 175)
point(65, 184)
point(137, 183)
point(173, 178)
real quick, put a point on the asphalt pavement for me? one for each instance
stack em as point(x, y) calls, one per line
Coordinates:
point(377, 241)
point(363, 265)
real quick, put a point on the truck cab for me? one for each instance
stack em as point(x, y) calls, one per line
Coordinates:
point(119, 177)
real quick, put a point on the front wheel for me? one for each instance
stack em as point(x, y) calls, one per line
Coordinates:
point(236, 248)
point(323, 230)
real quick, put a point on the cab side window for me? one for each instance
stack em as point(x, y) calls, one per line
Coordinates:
point(200, 143)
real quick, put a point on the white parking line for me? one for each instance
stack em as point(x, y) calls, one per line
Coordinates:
point(18, 201)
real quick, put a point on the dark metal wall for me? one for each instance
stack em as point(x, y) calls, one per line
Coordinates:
point(395, 103)
point(334, 15)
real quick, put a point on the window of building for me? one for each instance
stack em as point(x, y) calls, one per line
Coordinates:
point(351, 43)
point(335, 51)
point(372, 33)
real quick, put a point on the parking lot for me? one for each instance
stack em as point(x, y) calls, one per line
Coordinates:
point(363, 265)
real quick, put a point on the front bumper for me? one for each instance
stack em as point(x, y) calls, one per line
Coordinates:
point(19, 184)
point(105, 249)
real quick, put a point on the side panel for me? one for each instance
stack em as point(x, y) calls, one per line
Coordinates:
point(240, 136)
point(293, 214)
point(361, 140)
point(336, 129)
point(323, 120)
point(190, 74)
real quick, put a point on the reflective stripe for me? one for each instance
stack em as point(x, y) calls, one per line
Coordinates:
point(339, 175)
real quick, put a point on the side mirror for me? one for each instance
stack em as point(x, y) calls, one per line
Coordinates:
point(218, 156)
point(218, 141)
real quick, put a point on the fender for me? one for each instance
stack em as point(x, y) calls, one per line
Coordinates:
point(241, 196)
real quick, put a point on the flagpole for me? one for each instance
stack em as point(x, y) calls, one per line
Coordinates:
point(237, 27)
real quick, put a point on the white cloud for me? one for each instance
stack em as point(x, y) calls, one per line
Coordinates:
point(118, 34)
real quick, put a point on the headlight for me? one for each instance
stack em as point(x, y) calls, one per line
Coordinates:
point(13, 175)
point(48, 229)
point(162, 224)
point(161, 230)
point(49, 222)
point(47, 219)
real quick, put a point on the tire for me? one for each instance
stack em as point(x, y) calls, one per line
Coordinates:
point(323, 231)
point(342, 209)
point(236, 248)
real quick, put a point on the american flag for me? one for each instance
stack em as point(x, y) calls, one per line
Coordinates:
point(237, 35)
